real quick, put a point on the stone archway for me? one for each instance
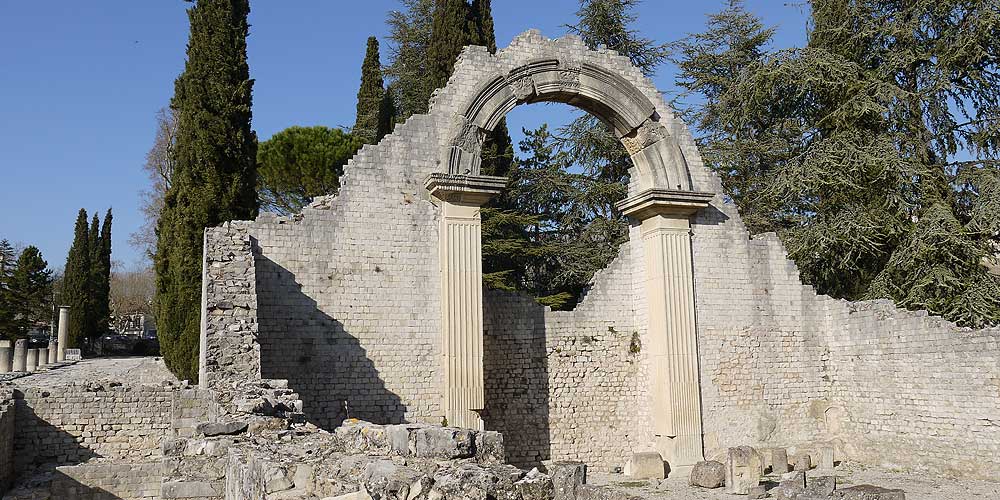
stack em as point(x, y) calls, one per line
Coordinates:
point(661, 201)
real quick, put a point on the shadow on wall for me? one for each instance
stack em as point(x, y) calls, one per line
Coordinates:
point(516, 375)
point(326, 365)
point(39, 445)
point(64, 486)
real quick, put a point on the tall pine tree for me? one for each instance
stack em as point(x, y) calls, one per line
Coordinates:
point(410, 31)
point(76, 282)
point(215, 170)
point(31, 286)
point(873, 151)
point(8, 304)
point(374, 111)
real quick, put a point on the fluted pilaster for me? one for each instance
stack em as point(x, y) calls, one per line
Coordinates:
point(461, 268)
point(674, 387)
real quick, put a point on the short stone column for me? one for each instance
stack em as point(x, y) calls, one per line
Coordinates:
point(31, 360)
point(6, 356)
point(43, 356)
point(460, 262)
point(63, 340)
point(53, 351)
point(744, 470)
point(672, 336)
point(20, 355)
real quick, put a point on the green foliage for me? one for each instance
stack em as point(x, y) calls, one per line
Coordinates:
point(31, 288)
point(556, 227)
point(410, 31)
point(102, 285)
point(214, 178)
point(76, 283)
point(450, 32)
point(8, 303)
point(374, 111)
point(300, 163)
point(854, 148)
point(606, 23)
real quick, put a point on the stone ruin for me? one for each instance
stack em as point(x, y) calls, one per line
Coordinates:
point(351, 351)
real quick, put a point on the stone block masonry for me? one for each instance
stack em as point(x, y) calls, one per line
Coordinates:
point(540, 366)
point(119, 481)
point(344, 301)
point(77, 423)
point(7, 430)
point(229, 351)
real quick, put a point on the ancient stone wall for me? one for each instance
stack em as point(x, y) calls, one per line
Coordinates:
point(229, 350)
point(82, 422)
point(348, 310)
point(7, 430)
point(120, 481)
point(912, 391)
point(540, 365)
point(347, 291)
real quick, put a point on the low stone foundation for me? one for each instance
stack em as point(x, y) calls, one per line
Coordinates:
point(108, 481)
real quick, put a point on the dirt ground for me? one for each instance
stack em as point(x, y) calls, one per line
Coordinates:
point(916, 486)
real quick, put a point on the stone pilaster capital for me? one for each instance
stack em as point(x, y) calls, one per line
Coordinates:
point(465, 189)
point(667, 202)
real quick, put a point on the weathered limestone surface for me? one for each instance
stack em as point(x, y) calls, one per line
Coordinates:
point(7, 429)
point(132, 481)
point(710, 474)
point(348, 304)
point(20, 355)
point(645, 465)
point(6, 356)
point(230, 352)
point(31, 360)
point(744, 470)
point(75, 423)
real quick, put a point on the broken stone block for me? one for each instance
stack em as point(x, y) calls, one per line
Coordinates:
point(443, 442)
point(744, 470)
point(869, 492)
point(646, 465)
point(757, 492)
point(777, 458)
point(710, 474)
point(826, 462)
point(822, 486)
point(534, 484)
point(791, 486)
point(489, 447)
point(357, 495)
point(173, 447)
point(803, 461)
point(567, 477)
point(221, 429)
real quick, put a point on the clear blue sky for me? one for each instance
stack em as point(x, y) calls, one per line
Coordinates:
point(80, 84)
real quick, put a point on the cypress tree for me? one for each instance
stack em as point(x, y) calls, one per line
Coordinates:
point(102, 277)
point(373, 119)
point(215, 170)
point(450, 32)
point(76, 280)
point(94, 279)
point(410, 31)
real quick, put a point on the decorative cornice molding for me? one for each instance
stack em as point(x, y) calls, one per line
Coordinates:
point(658, 201)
